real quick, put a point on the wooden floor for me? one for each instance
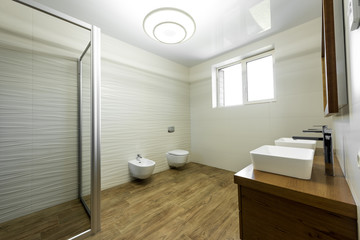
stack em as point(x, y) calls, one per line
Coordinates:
point(59, 222)
point(196, 202)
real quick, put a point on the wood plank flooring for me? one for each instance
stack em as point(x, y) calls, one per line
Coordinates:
point(59, 222)
point(196, 202)
point(193, 203)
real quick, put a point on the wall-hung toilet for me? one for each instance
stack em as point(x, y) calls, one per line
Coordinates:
point(177, 158)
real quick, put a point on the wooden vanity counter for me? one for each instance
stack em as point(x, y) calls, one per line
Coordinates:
point(273, 206)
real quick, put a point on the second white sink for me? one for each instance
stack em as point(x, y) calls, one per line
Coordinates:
point(289, 142)
point(288, 161)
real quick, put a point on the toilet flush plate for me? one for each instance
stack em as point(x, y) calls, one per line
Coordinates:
point(171, 129)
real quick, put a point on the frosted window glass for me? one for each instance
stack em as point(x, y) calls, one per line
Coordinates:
point(260, 79)
point(232, 85)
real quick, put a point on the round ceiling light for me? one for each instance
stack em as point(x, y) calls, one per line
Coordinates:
point(169, 25)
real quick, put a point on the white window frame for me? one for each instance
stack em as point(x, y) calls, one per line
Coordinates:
point(216, 100)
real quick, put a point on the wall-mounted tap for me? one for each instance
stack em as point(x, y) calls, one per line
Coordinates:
point(138, 157)
point(328, 148)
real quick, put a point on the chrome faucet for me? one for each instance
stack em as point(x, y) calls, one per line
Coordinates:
point(138, 157)
point(328, 147)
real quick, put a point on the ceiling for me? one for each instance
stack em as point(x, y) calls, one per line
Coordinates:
point(221, 25)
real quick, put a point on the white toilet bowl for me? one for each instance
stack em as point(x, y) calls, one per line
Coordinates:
point(177, 158)
point(141, 168)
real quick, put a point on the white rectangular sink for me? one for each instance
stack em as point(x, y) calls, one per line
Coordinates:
point(288, 161)
point(289, 142)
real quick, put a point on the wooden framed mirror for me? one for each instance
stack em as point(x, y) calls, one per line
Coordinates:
point(333, 57)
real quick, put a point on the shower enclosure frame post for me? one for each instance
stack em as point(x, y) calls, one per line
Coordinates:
point(95, 127)
point(95, 108)
point(79, 131)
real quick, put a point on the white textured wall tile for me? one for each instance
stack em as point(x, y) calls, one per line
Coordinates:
point(38, 113)
point(54, 178)
point(38, 132)
point(137, 108)
point(15, 133)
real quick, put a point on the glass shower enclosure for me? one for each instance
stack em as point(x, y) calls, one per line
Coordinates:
point(49, 123)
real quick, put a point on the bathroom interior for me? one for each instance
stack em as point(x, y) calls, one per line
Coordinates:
point(78, 103)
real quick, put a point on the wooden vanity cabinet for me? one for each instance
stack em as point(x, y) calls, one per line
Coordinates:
point(273, 207)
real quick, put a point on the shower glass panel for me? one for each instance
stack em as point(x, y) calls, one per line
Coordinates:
point(84, 87)
point(39, 124)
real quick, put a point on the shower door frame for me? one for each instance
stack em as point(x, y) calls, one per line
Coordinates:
point(80, 128)
point(95, 44)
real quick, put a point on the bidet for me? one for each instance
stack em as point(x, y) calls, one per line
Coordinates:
point(142, 168)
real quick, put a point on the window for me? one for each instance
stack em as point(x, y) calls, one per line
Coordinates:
point(230, 82)
point(244, 81)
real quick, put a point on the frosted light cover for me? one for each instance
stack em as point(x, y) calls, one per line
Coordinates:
point(169, 32)
point(169, 25)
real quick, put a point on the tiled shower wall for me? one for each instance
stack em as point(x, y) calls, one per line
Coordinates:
point(38, 112)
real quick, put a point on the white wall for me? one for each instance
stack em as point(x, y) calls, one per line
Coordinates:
point(223, 137)
point(142, 95)
point(346, 124)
